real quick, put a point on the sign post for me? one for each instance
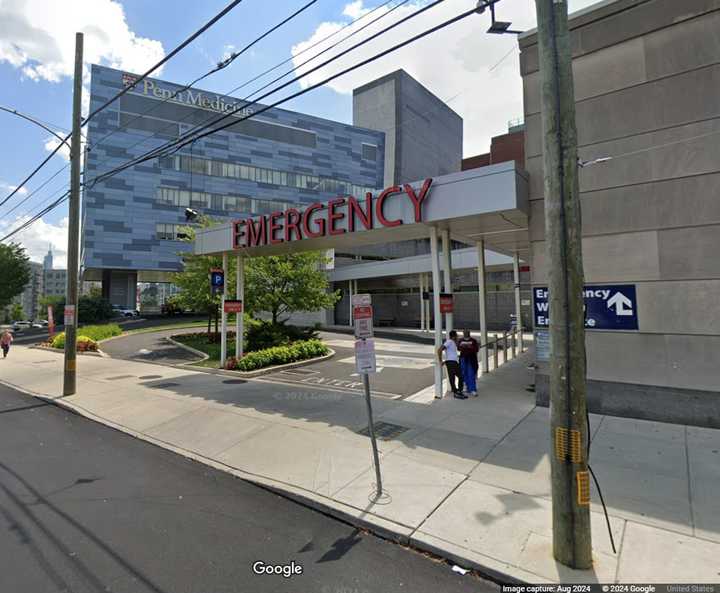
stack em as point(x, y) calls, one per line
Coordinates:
point(365, 364)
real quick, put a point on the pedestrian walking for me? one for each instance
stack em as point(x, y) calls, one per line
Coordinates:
point(469, 348)
point(5, 340)
point(452, 364)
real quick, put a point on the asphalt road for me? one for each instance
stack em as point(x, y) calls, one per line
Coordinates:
point(151, 347)
point(86, 509)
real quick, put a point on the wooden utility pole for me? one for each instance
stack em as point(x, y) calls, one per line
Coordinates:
point(71, 301)
point(572, 544)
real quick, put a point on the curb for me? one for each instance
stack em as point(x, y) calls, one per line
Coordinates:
point(99, 353)
point(245, 374)
point(383, 528)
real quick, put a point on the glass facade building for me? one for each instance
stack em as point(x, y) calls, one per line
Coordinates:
point(273, 161)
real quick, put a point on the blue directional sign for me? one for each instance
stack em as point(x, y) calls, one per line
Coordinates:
point(217, 280)
point(609, 306)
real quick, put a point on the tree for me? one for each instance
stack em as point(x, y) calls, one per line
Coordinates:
point(17, 312)
point(14, 272)
point(194, 280)
point(282, 284)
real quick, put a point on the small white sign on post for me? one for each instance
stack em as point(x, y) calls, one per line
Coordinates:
point(362, 316)
point(365, 356)
point(69, 315)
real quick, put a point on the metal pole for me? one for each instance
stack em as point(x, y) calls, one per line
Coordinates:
point(422, 303)
point(505, 347)
point(427, 304)
point(447, 272)
point(239, 295)
point(570, 481)
point(518, 307)
point(495, 353)
point(223, 315)
point(371, 430)
point(482, 301)
point(70, 367)
point(350, 306)
point(437, 318)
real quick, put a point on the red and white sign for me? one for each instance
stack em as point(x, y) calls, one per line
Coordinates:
point(69, 315)
point(233, 306)
point(51, 321)
point(362, 312)
point(446, 303)
point(321, 220)
point(362, 315)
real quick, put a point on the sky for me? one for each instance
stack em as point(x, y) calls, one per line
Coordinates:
point(476, 74)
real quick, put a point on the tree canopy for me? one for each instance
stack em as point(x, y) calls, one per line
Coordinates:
point(14, 272)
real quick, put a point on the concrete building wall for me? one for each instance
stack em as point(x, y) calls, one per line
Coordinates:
point(647, 85)
point(423, 136)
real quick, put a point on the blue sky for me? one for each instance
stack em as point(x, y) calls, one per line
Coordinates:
point(461, 65)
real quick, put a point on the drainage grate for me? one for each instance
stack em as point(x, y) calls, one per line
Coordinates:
point(151, 377)
point(234, 381)
point(119, 377)
point(385, 430)
point(164, 385)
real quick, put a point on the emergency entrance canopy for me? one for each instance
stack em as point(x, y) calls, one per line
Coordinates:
point(488, 203)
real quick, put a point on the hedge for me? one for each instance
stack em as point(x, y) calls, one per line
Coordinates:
point(94, 333)
point(84, 343)
point(278, 355)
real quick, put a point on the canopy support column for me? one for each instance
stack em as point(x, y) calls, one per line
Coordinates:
point(447, 271)
point(482, 301)
point(518, 308)
point(421, 278)
point(435, 261)
point(223, 318)
point(240, 296)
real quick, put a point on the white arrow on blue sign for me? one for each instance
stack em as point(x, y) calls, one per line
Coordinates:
point(609, 306)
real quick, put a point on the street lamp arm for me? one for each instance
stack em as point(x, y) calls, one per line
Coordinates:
point(36, 122)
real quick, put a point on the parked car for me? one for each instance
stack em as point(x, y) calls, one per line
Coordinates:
point(125, 312)
point(21, 325)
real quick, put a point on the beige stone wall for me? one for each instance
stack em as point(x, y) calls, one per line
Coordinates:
point(647, 86)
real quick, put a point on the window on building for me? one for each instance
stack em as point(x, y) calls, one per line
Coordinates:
point(369, 152)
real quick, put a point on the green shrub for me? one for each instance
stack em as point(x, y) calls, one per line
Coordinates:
point(260, 335)
point(84, 343)
point(101, 332)
point(278, 355)
point(93, 308)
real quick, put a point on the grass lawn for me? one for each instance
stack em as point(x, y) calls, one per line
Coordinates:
point(158, 328)
point(200, 343)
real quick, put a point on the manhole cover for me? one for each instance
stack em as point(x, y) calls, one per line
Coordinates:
point(164, 385)
point(151, 377)
point(118, 377)
point(234, 381)
point(385, 430)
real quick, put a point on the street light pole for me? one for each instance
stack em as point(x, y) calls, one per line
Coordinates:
point(570, 481)
point(71, 301)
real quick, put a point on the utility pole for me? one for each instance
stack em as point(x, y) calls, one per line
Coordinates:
point(71, 301)
point(572, 544)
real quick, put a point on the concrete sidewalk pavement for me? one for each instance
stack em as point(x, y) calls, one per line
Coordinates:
point(468, 479)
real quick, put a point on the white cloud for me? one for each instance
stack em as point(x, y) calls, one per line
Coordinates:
point(51, 143)
point(38, 37)
point(38, 236)
point(461, 64)
point(6, 187)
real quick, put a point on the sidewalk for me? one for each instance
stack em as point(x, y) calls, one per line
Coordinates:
point(468, 479)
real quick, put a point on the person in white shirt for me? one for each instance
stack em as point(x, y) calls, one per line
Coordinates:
point(452, 364)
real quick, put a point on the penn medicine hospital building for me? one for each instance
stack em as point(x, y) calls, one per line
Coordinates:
point(647, 86)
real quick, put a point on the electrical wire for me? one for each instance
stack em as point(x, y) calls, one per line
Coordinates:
point(39, 215)
point(220, 66)
point(187, 41)
point(213, 126)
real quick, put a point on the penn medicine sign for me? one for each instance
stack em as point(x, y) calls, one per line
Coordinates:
point(188, 97)
point(323, 219)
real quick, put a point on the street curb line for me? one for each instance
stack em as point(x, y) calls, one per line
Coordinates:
point(99, 353)
point(383, 529)
point(203, 356)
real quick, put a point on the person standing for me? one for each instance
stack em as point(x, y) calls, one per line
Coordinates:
point(5, 340)
point(469, 349)
point(452, 364)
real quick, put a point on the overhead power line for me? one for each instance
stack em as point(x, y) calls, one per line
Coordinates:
point(220, 66)
point(188, 137)
point(187, 41)
point(39, 215)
